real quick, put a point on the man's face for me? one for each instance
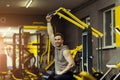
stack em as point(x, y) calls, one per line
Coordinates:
point(58, 41)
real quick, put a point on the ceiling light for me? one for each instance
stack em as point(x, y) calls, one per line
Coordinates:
point(7, 5)
point(28, 3)
point(117, 30)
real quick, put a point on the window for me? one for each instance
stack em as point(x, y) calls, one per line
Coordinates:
point(108, 28)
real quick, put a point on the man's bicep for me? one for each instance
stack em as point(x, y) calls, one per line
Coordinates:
point(68, 56)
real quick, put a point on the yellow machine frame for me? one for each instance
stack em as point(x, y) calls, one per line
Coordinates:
point(76, 21)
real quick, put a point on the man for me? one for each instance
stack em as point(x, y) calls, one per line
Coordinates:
point(63, 59)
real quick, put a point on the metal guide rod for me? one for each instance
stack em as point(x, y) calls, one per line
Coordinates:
point(99, 55)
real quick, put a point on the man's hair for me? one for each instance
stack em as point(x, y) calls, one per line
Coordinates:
point(59, 34)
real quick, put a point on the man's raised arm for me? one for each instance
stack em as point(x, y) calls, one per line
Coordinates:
point(50, 29)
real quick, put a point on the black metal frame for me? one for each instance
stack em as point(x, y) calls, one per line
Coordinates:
point(87, 50)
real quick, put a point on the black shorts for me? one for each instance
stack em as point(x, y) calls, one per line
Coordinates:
point(65, 76)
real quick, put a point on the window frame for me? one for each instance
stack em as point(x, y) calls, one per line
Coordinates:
point(112, 24)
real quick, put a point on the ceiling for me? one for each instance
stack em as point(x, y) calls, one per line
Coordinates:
point(38, 7)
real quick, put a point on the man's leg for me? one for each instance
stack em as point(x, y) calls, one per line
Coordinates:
point(66, 76)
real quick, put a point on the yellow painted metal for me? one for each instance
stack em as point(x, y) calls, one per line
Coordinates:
point(35, 27)
point(114, 66)
point(30, 73)
point(117, 24)
point(87, 76)
point(47, 43)
point(97, 32)
point(74, 51)
point(48, 54)
point(76, 21)
point(75, 18)
point(77, 77)
point(77, 24)
point(15, 78)
point(49, 65)
point(81, 22)
point(70, 20)
point(38, 23)
point(118, 65)
point(32, 49)
point(93, 70)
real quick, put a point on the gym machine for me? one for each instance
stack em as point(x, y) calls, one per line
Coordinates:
point(86, 58)
point(21, 46)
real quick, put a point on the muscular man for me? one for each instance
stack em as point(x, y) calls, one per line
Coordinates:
point(63, 59)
